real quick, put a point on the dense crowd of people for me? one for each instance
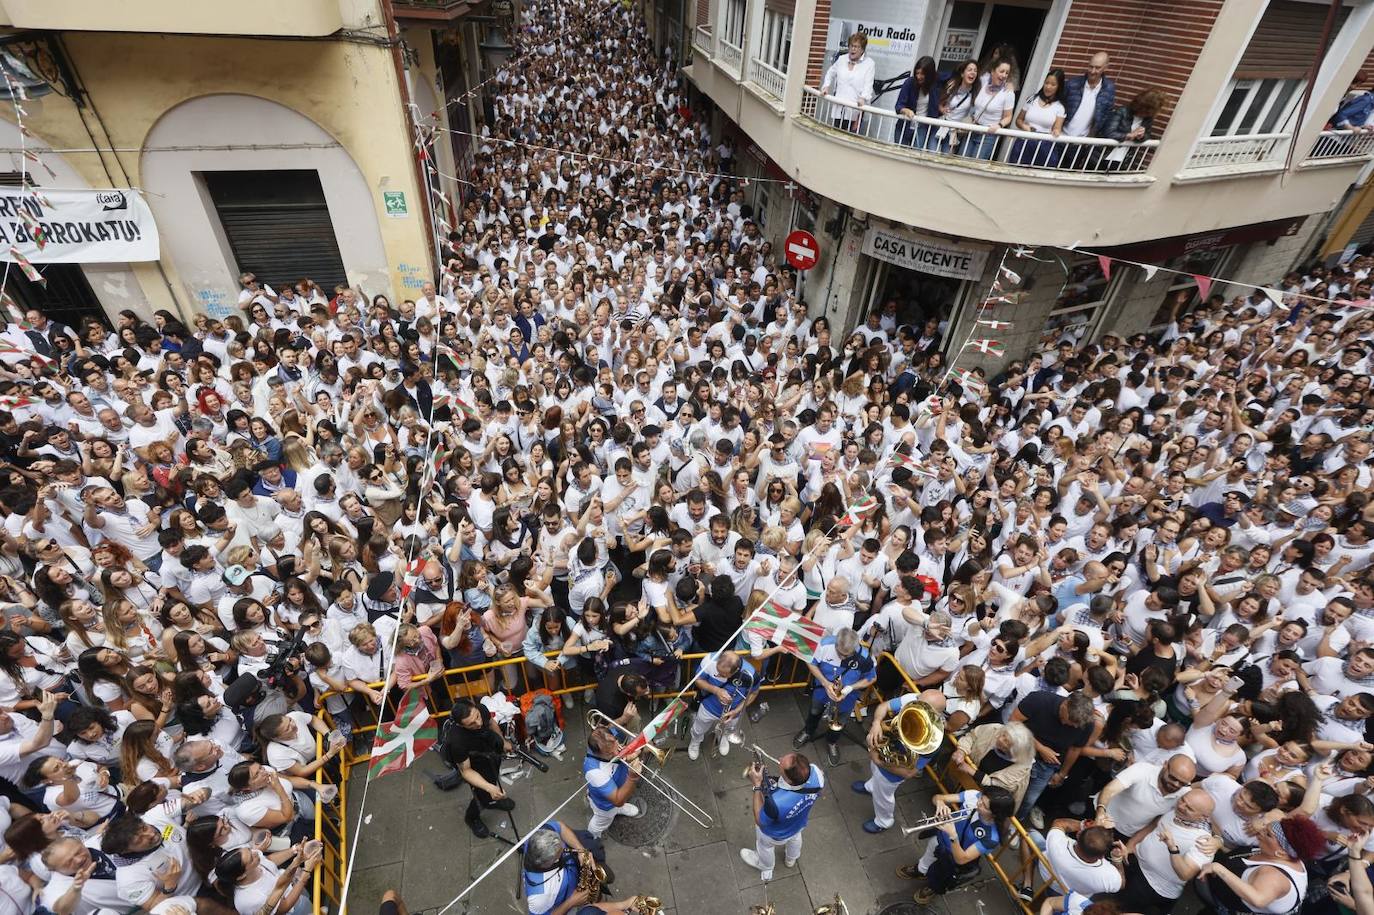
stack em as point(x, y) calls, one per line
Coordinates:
point(1132, 577)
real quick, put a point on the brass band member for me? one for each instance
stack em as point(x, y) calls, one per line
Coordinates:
point(610, 783)
point(728, 684)
point(560, 873)
point(885, 777)
point(781, 810)
point(843, 670)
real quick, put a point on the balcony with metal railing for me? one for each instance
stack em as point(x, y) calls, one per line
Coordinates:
point(965, 145)
point(1237, 155)
point(769, 79)
point(703, 40)
point(730, 57)
point(1339, 147)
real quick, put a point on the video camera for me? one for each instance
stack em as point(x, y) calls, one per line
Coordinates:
point(285, 662)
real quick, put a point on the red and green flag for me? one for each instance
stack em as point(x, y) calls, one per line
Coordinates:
point(400, 741)
point(987, 346)
point(658, 725)
point(967, 378)
point(465, 408)
point(796, 634)
point(858, 511)
point(917, 466)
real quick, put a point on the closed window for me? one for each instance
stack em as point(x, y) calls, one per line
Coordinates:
point(1258, 106)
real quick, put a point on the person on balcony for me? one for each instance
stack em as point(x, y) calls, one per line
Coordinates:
point(1041, 113)
point(1089, 98)
point(850, 82)
point(993, 108)
point(919, 96)
point(956, 104)
point(1356, 109)
point(1130, 123)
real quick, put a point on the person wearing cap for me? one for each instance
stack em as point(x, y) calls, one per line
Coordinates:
point(382, 598)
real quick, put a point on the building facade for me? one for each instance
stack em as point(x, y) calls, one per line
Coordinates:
point(1240, 178)
point(266, 137)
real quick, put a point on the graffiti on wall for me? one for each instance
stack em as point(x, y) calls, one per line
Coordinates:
point(412, 276)
point(214, 302)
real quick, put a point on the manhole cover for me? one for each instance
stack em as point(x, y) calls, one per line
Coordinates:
point(658, 818)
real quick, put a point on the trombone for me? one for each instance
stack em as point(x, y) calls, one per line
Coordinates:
point(657, 780)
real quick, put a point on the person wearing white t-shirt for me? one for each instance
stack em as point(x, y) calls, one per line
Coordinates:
point(993, 107)
point(1042, 113)
point(1172, 853)
point(1143, 791)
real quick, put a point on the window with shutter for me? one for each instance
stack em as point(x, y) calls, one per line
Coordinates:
point(277, 225)
point(1287, 40)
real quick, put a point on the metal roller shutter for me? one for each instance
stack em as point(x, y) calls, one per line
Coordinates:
point(1287, 40)
point(277, 225)
point(1365, 233)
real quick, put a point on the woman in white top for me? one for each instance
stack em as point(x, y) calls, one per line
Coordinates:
point(993, 108)
point(1042, 113)
point(850, 82)
point(255, 883)
point(956, 104)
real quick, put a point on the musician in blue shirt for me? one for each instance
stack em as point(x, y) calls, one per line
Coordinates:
point(728, 685)
point(781, 810)
point(886, 778)
point(959, 843)
point(844, 670)
point(550, 870)
point(610, 782)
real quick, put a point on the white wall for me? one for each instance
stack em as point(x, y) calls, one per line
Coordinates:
point(114, 284)
point(191, 234)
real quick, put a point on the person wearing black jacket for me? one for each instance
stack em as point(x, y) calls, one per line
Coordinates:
point(473, 745)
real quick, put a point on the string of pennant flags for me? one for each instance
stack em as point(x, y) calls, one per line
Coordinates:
point(27, 156)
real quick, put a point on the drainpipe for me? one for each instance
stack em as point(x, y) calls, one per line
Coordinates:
point(421, 178)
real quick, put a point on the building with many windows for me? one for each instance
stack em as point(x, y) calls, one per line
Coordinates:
point(1240, 176)
point(276, 138)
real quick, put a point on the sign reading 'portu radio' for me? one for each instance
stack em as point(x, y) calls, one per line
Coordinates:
point(956, 260)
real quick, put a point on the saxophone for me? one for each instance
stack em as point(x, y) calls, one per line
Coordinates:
point(590, 877)
point(830, 718)
point(647, 905)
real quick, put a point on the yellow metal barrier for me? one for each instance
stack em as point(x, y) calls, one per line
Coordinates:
point(472, 681)
point(953, 774)
point(475, 681)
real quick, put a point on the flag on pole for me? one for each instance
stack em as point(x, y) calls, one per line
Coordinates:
point(657, 726)
point(412, 572)
point(441, 456)
point(29, 270)
point(858, 511)
point(399, 742)
point(987, 347)
point(464, 408)
point(917, 466)
point(797, 635)
point(967, 378)
point(994, 325)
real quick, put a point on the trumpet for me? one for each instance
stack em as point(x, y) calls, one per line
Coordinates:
point(936, 820)
point(656, 780)
point(830, 717)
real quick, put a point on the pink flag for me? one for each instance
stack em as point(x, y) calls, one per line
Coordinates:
point(1106, 264)
point(1204, 285)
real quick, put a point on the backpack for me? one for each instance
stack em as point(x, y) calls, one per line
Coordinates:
point(542, 721)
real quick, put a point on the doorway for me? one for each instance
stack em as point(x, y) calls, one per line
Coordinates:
point(975, 28)
point(918, 295)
